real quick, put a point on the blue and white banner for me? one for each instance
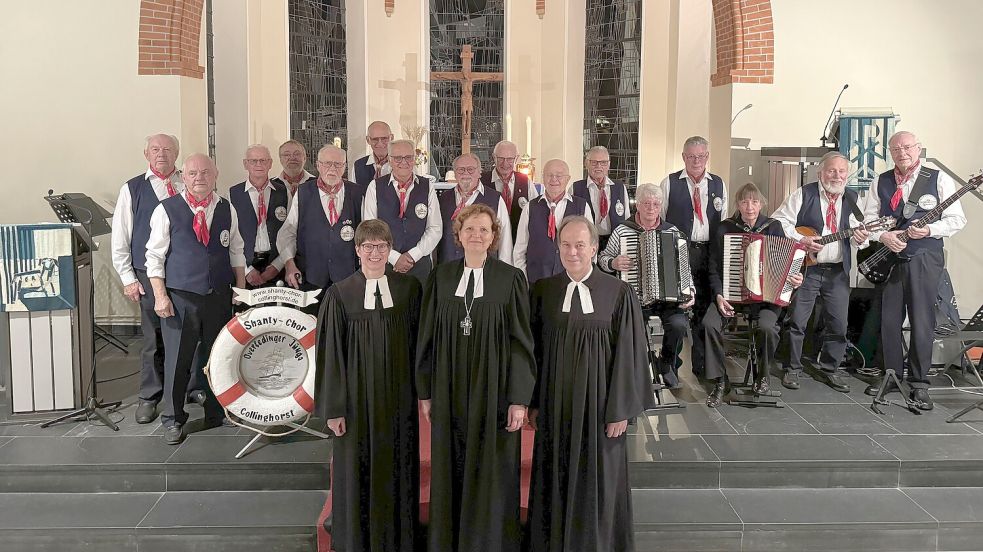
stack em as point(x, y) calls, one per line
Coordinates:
point(37, 270)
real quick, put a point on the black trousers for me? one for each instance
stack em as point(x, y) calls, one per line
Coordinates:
point(832, 283)
point(152, 351)
point(912, 288)
point(766, 336)
point(699, 263)
point(189, 335)
point(674, 325)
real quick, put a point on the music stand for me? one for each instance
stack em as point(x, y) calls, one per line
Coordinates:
point(90, 220)
point(974, 330)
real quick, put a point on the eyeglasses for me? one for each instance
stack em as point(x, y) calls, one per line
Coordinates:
point(466, 170)
point(374, 247)
point(332, 164)
point(700, 157)
point(292, 155)
point(508, 160)
point(599, 163)
point(906, 148)
point(554, 176)
point(257, 161)
point(379, 140)
point(401, 159)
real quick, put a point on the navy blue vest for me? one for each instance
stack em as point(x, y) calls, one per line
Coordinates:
point(247, 216)
point(521, 190)
point(811, 214)
point(364, 173)
point(143, 201)
point(618, 194)
point(680, 208)
point(190, 266)
point(408, 230)
point(886, 185)
point(447, 250)
point(542, 255)
point(324, 256)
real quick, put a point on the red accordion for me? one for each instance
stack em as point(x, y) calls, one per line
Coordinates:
point(757, 268)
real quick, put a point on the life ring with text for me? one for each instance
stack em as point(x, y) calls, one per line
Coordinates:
point(263, 365)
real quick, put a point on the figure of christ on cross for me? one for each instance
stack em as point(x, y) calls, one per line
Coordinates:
point(466, 77)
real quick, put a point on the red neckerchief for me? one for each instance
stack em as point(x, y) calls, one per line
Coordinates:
point(200, 224)
point(167, 180)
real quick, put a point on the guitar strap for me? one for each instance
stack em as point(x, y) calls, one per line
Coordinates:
point(919, 189)
point(852, 206)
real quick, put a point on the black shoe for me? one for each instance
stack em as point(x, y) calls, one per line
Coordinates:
point(922, 400)
point(761, 386)
point(174, 435)
point(790, 379)
point(146, 412)
point(834, 380)
point(716, 397)
point(197, 396)
point(873, 389)
point(671, 380)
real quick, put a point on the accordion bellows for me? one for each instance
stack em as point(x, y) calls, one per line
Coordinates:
point(757, 268)
point(661, 271)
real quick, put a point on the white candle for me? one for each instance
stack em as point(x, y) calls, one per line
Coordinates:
point(508, 127)
point(529, 136)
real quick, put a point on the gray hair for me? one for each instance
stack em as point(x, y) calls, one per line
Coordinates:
point(504, 143)
point(331, 147)
point(258, 147)
point(395, 143)
point(829, 157)
point(696, 141)
point(596, 149)
point(575, 219)
point(463, 156)
point(649, 189)
point(901, 133)
point(177, 145)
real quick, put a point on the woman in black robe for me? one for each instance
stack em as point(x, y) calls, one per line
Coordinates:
point(366, 393)
point(475, 377)
point(593, 378)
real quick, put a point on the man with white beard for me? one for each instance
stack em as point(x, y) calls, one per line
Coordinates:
point(827, 207)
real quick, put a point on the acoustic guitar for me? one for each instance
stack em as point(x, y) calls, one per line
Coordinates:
point(883, 223)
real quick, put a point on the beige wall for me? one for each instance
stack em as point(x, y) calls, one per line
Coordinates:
point(812, 62)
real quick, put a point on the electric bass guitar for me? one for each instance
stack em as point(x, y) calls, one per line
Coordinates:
point(883, 223)
point(877, 261)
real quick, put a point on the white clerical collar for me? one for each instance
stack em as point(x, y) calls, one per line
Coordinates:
point(586, 304)
point(382, 285)
point(479, 286)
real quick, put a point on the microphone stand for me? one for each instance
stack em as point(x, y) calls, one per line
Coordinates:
point(824, 138)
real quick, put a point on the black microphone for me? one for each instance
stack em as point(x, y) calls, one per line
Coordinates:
point(836, 103)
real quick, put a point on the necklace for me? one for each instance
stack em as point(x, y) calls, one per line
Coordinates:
point(466, 324)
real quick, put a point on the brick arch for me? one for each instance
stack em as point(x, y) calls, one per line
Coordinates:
point(745, 39)
point(169, 38)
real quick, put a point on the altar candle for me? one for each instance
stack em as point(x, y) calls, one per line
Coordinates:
point(529, 136)
point(508, 127)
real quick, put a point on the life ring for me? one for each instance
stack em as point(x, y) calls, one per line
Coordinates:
point(262, 366)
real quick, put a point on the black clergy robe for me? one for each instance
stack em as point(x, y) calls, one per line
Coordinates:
point(592, 371)
point(367, 378)
point(472, 380)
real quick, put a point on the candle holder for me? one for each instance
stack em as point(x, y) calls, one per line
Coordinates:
point(422, 160)
point(526, 166)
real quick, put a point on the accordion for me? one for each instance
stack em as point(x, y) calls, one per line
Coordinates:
point(757, 268)
point(661, 265)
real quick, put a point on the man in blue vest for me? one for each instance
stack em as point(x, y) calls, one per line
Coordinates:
point(408, 204)
point(261, 205)
point(608, 200)
point(696, 203)
point(467, 171)
point(293, 157)
point(908, 193)
point(515, 188)
point(826, 207)
point(536, 252)
point(131, 228)
point(376, 164)
point(194, 257)
point(316, 240)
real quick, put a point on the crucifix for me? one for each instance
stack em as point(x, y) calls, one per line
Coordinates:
point(466, 77)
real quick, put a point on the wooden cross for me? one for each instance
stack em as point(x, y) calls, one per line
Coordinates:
point(466, 77)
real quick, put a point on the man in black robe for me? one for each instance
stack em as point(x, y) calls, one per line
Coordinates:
point(366, 394)
point(475, 378)
point(593, 378)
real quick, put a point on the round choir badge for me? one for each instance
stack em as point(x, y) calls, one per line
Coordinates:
point(718, 204)
point(280, 213)
point(927, 202)
point(420, 210)
point(619, 208)
point(225, 238)
point(347, 233)
point(523, 202)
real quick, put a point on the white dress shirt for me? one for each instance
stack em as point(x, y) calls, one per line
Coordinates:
point(499, 186)
point(431, 234)
point(286, 240)
point(262, 233)
point(382, 285)
point(701, 231)
point(522, 232)
point(384, 169)
point(952, 219)
point(305, 176)
point(788, 214)
point(160, 237)
point(504, 222)
point(123, 224)
point(604, 224)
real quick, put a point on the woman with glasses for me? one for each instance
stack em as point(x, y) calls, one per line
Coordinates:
point(469, 191)
point(365, 392)
point(475, 379)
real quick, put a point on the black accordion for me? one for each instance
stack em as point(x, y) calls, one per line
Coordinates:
point(757, 268)
point(661, 265)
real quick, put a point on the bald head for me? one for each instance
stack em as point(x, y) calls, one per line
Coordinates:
point(378, 136)
point(200, 175)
